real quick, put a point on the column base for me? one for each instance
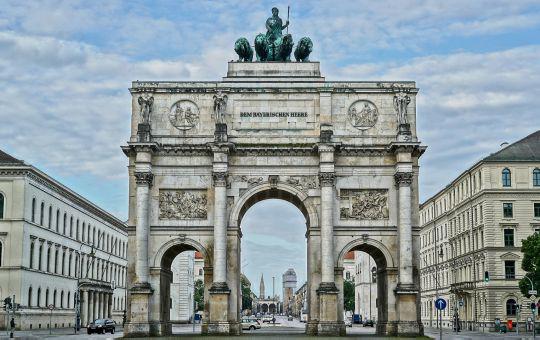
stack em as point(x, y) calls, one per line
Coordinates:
point(139, 318)
point(408, 324)
point(218, 321)
point(312, 328)
point(329, 323)
point(146, 329)
point(402, 328)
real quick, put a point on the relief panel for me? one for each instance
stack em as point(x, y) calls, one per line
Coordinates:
point(363, 204)
point(182, 204)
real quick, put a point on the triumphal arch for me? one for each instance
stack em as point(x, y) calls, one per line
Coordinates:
point(202, 153)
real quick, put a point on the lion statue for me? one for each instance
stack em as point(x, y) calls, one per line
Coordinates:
point(303, 49)
point(243, 49)
point(261, 47)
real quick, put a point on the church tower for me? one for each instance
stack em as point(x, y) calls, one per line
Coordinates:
point(261, 288)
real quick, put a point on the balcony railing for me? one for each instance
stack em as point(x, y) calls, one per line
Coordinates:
point(464, 286)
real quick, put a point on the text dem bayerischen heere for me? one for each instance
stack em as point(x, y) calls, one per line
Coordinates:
point(272, 114)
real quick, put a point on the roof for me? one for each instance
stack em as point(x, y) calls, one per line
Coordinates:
point(8, 159)
point(526, 149)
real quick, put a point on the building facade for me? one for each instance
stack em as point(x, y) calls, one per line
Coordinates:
point(289, 287)
point(471, 235)
point(182, 287)
point(300, 301)
point(365, 286)
point(55, 245)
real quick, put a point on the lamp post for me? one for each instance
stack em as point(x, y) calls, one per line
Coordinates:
point(373, 273)
point(533, 309)
point(437, 290)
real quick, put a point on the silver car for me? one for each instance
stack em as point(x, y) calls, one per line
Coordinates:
point(250, 323)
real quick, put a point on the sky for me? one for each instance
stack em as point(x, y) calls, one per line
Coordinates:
point(66, 66)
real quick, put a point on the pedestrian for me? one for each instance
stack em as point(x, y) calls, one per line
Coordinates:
point(12, 323)
point(273, 319)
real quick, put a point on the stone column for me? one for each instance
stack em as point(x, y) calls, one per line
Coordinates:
point(142, 229)
point(330, 322)
point(403, 182)
point(326, 180)
point(83, 307)
point(220, 228)
point(91, 304)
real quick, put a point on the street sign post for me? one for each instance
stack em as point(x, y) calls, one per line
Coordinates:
point(440, 304)
point(51, 307)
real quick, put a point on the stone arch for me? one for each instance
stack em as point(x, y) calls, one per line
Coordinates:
point(169, 250)
point(278, 191)
point(376, 249)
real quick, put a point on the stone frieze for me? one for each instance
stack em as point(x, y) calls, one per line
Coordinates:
point(183, 204)
point(363, 204)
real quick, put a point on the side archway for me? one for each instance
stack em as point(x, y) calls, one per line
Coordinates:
point(169, 250)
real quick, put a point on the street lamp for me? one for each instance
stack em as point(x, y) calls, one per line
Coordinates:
point(373, 278)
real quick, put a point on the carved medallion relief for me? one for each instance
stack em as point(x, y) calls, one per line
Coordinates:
point(363, 204)
point(183, 204)
point(184, 115)
point(363, 114)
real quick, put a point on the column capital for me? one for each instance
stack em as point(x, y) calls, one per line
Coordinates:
point(403, 178)
point(144, 177)
point(220, 178)
point(327, 179)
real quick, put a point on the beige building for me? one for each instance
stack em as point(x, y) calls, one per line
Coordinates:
point(472, 229)
point(365, 286)
point(54, 244)
point(289, 287)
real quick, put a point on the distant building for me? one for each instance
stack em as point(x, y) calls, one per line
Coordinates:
point(365, 286)
point(289, 287)
point(182, 287)
point(56, 245)
point(472, 229)
point(198, 267)
point(300, 301)
point(266, 304)
point(261, 288)
point(349, 269)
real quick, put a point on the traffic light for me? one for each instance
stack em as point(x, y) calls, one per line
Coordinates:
point(486, 276)
point(7, 303)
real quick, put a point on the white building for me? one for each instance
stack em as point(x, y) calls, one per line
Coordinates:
point(365, 290)
point(182, 287)
point(472, 229)
point(289, 287)
point(53, 241)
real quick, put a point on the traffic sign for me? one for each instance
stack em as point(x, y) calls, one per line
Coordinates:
point(532, 297)
point(461, 303)
point(440, 304)
point(51, 306)
point(533, 292)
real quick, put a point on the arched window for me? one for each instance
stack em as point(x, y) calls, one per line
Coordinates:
point(71, 227)
point(64, 226)
point(48, 260)
point(63, 261)
point(31, 255)
point(1, 249)
point(77, 231)
point(41, 213)
point(38, 301)
point(30, 297)
point(511, 307)
point(46, 297)
point(34, 209)
point(57, 220)
point(49, 222)
point(1, 206)
point(536, 177)
point(62, 299)
point(83, 232)
point(54, 298)
point(69, 265)
point(40, 256)
point(506, 178)
point(56, 261)
point(68, 299)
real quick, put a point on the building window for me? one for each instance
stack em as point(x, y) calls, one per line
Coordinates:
point(41, 214)
point(33, 210)
point(537, 210)
point(50, 217)
point(511, 309)
point(508, 210)
point(1, 206)
point(54, 298)
point(506, 178)
point(536, 177)
point(347, 276)
point(510, 269)
point(30, 297)
point(508, 237)
point(40, 257)
point(200, 271)
point(57, 220)
point(46, 297)
point(1, 248)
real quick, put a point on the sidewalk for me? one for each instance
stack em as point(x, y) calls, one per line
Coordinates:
point(44, 333)
point(464, 334)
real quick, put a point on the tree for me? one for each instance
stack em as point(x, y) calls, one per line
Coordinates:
point(531, 263)
point(198, 295)
point(247, 301)
point(348, 295)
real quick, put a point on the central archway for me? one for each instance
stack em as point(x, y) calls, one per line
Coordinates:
point(307, 206)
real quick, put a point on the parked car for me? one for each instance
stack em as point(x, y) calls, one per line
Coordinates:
point(369, 323)
point(101, 326)
point(357, 318)
point(347, 319)
point(267, 318)
point(250, 323)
